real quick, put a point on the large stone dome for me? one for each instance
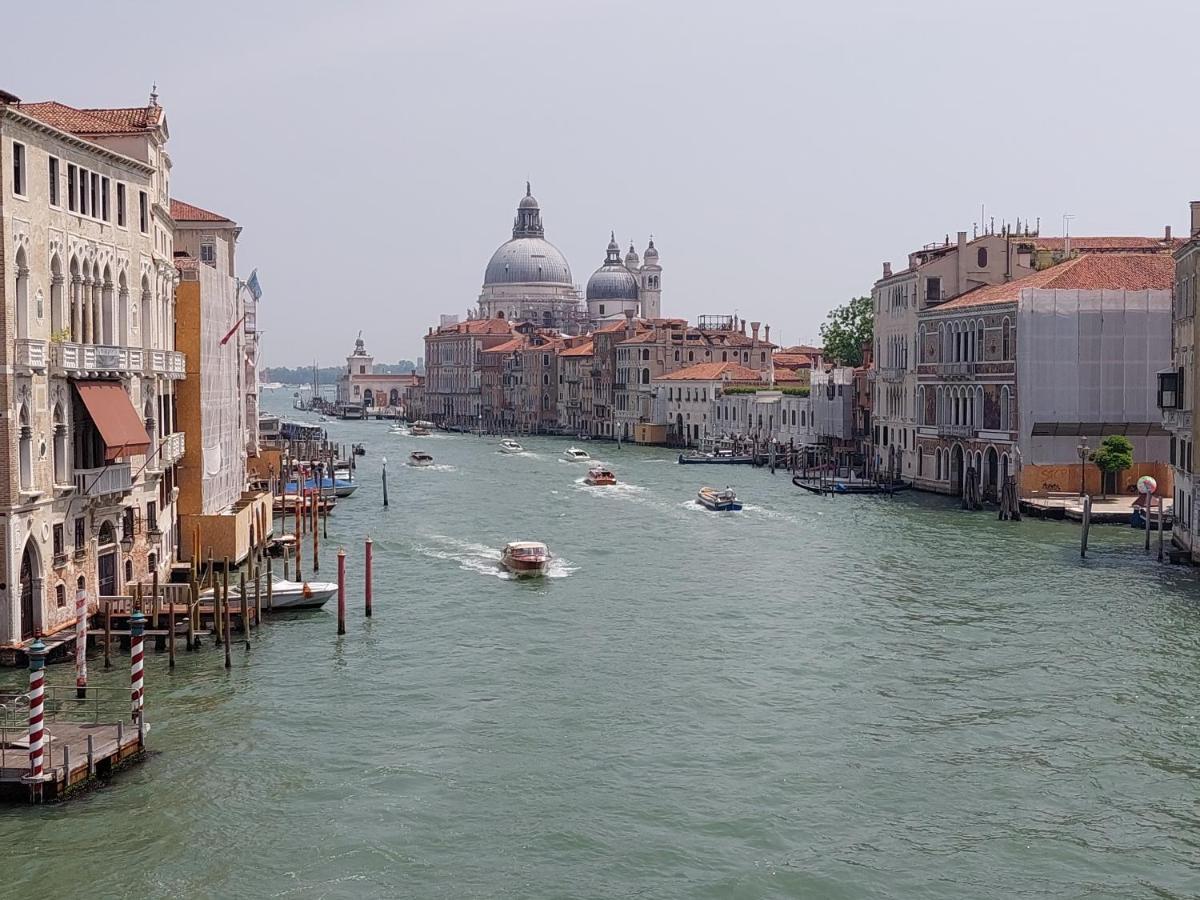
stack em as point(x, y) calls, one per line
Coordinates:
point(613, 280)
point(527, 260)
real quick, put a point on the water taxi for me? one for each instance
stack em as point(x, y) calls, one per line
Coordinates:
point(718, 501)
point(508, 445)
point(574, 454)
point(723, 456)
point(525, 558)
point(420, 458)
point(416, 429)
point(599, 476)
point(288, 594)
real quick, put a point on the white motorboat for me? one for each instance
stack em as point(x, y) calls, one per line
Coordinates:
point(416, 430)
point(574, 454)
point(288, 594)
point(508, 445)
point(420, 458)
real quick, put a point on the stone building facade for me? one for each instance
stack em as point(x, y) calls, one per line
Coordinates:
point(89, 366)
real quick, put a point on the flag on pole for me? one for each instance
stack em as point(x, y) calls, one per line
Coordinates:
point(233, 330)
point(253, 285)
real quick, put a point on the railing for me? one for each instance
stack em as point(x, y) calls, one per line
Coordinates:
point(172, 448)
point(890, 373)
point(112, 479)
point(89, 359)
point(956, 369)
point(31, 354)
point(955, 430)
point(165, 362)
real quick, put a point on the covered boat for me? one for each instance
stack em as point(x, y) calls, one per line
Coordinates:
point(599, 476)
point(718, 457)
point(340, 487)
point(525, 558)
point(508, 445)
point(288, 594)
point(718, 501)
point(574, 454)
point(420, 458)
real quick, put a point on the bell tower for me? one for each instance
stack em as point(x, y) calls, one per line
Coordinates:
point(650, 283)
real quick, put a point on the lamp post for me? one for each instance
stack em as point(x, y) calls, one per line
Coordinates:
point(1082, 449)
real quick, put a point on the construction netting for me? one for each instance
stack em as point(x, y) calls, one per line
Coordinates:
point(222, 398)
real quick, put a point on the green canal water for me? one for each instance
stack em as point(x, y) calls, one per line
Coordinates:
point(843, 698)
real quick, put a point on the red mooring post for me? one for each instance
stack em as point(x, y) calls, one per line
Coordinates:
point(367, 586)
point(341, 591)
point(137, 624)
point(37, 690)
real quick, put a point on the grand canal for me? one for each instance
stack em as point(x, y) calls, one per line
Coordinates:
point(816, 697)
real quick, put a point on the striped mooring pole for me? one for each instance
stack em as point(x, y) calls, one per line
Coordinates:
point(137, 625)
point(81, 645)
point(37, 698)
point(341, 583)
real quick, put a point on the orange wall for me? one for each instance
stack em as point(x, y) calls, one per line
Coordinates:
point(187, 397)
point(1049, 478)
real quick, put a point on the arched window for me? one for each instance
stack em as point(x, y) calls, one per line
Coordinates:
point(499, 314)
point(80, 583)
point(128, 571)
point(645, 376)
point(920, 410)
point(691, 356)
point(1005, 402)
point(147, 314)
point(25, 449)
point(56, 295)
point(981, 258)
point(108, 311)
point(60, 595)
point(22, 294)
point(676, 356)
point(1005, 339)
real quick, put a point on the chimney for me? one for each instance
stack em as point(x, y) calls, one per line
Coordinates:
point(1167, 234)
point(1195, 208)
point(960, 284)
point(628, 323)
point(767, 333)
point(754, 326)
point(887, 270)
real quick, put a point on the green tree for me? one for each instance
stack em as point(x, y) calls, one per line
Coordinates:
point(1114, 454)
point(847, 328)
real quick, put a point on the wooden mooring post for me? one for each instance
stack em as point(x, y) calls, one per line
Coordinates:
point(1160, 529)
point(1147, 511)
point(244, 598)
point(225, 624)
point(1087, 521)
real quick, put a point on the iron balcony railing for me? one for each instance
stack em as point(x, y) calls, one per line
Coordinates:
point(111, 479)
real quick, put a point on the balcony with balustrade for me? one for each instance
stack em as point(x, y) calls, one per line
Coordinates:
point(116, 478)
point(103, 361)
point(172, 449)
point(955, 431)
point(30, 356)
point(959, 369)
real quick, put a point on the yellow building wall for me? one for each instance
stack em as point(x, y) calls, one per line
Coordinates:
point(187, 398)
point(1065, 478)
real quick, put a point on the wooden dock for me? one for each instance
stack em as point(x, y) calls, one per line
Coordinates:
point(77, 755)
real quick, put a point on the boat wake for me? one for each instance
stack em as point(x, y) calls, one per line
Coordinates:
point(481, 559)
point(621, 489)
point(436, 467)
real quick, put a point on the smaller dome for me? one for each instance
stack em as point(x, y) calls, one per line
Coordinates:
point(651, 253)
point(528, 202)
point(631, 258)
point(612, 283)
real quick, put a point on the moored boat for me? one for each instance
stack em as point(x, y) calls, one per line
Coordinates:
point(599, 476)
point(420, 458)
point(339, 487)
point(290, 594)
point(574, 454)
point(847, 486)
point(508, 445)
point(720, 457)
point(525, 558)
point(718, 501)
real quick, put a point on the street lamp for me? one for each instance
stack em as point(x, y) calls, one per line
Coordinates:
point(1082, 449)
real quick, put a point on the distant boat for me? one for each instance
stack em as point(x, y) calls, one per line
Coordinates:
point(270, 385)
point(599, 476)
point(420, 458)
point(508, 445)
point(416, 430)
point(718, 501)
point(340, 487)
point(720, 457)
point(524, 558)
point(574, 454)
point(847, 486)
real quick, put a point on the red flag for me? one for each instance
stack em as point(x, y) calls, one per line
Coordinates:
point(233, 330)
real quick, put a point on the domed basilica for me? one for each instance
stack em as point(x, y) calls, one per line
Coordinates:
point(528, 280)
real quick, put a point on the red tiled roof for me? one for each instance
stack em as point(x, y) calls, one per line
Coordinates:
point(476, 326)
point(185, 212)
point(713, 371)
point(584, 349)
point(517, 343)
point(1088, 272)
point(616, 325)
point(84, 122)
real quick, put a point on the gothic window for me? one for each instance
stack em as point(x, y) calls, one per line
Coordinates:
point(25, 449)
point(981, 258)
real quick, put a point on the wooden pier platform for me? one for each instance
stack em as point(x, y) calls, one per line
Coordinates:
point(76, 756)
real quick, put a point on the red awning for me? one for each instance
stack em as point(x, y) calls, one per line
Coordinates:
point(120, 426)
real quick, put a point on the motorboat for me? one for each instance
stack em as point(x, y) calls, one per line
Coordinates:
point(420, 458)
point(718, 501)
point(524, 558)
point(574, 454)
point(340, 487)
point(508, 445)
point(723, 456)
point(417, 430)
point(287, 594)
point(599, 476)
point(847, 486)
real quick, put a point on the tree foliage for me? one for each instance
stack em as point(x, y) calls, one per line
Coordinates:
point(1114, 454)
point(846, 329)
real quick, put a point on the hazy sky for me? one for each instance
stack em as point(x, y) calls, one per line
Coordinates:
point(374, 152)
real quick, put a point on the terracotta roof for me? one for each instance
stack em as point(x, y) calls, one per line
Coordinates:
point(713, 371)
point(616, 325)
point(1104, 244)
point(644, 337)
point(517, 343)
point(476, 326)
point(85, 122)
point(1088, 272)
point(185, 212)
point(584, 349)
point(806, 349)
